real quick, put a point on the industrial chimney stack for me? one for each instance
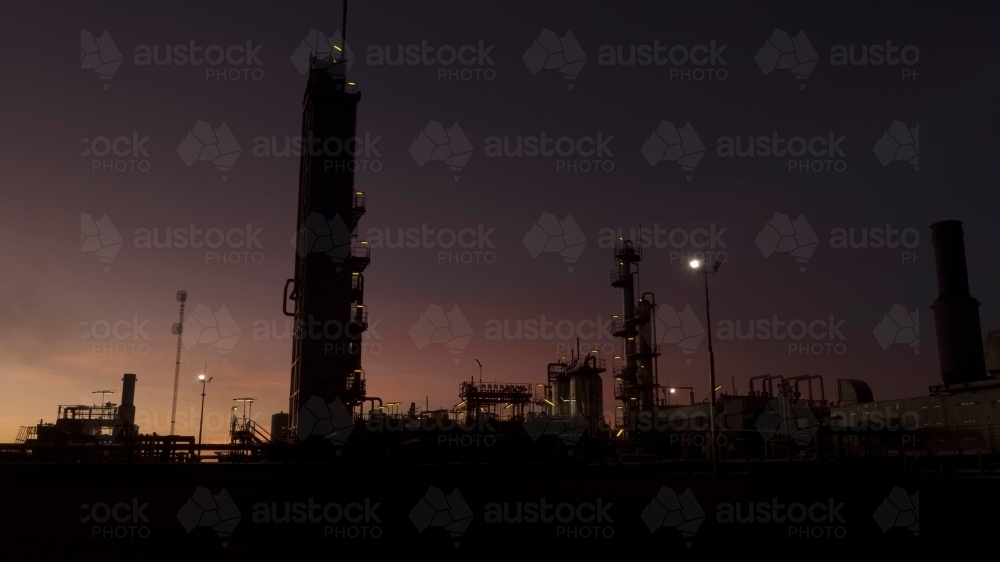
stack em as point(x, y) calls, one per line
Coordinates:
point(126, 411)
point(956, 312)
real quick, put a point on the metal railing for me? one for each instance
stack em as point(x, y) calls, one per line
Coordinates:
point(627, 251)
point(359, 201)
point(360, 250)
point(244, 430)
point(622, 326)
point(357, 282)
point(618, 278)
point(78, 412)
point(360, 316)
point(356, 383)
point(25, 433)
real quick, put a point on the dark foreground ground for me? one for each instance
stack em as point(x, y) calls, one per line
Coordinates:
point(210, 511)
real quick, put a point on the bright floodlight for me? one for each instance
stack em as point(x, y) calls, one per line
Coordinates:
point(672, 390)
point(201, 377)
point(694, 264)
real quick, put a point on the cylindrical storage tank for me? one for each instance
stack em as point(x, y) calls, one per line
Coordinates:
point(279, 427)
point(597, 396)
point(560, 396)
point(956, 313)
point(578, 390)
point(587, 398)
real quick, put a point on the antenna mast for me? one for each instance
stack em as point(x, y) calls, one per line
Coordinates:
point(343, 29)
point(177, 329)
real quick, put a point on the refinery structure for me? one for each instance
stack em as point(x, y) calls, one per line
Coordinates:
point(561, 415)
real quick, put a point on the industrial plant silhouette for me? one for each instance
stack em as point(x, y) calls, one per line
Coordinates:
point(535, 460)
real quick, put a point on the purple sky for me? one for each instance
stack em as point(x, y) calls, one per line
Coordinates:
point(56, 299)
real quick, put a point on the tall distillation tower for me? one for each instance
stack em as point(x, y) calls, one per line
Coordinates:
point(328, 288)
point(636, 382)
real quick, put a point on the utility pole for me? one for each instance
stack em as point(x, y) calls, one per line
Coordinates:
point(178, 330)
point(201, 419)
point(711, 363)
point(703, 269)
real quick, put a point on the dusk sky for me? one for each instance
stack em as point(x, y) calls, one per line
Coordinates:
point(912, 144)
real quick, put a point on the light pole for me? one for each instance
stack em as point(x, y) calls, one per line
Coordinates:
point(201, 419)
point(480, 371)
point(703, 269)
